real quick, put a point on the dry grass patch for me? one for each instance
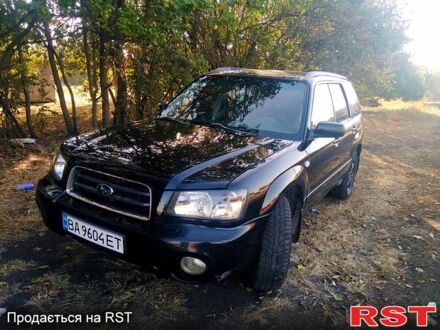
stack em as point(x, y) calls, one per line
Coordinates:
point(15, 265)
point(47, 288)
point(8, 290)
point(19, 216)
point(262, 316)
point(161, 299)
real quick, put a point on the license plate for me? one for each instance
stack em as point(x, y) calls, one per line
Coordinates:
point(100, 236)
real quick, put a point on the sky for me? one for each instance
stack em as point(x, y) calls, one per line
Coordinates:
point(424, 31)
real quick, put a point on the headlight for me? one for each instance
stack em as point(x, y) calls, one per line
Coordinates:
point(58, 166)
point(208, 204)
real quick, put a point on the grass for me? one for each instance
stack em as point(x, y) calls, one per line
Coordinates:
point(47, 287)
point(15, 265)
point(380, 247)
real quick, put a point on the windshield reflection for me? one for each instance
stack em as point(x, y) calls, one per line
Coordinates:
point(265, 106)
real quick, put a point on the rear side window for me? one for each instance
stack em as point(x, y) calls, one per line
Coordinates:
point(352, 99)
point(322, 105)
point(341, 108)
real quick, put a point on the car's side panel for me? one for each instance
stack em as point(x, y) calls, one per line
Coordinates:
point(322, 152)
point(259, 179)
point(329, 158)
point(357, 127)
point(358, 131)
point(295, 176)
point(323, 163)
point(325, 186)
point(348, 141)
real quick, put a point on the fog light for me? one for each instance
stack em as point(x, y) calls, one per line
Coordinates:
point(192, 266)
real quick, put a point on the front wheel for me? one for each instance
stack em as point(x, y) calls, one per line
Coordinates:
point(273, 264)
point(345, 188)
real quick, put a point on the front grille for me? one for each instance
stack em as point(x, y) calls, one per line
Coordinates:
point(110, 192)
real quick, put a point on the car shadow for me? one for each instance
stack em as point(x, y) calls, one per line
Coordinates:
point(58, 274)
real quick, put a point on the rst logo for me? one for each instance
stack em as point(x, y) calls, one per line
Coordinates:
point(390, 316)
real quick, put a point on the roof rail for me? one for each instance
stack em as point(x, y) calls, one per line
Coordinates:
point(312, 74)
point(276, 73)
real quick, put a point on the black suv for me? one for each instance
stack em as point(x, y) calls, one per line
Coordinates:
point(218, 182)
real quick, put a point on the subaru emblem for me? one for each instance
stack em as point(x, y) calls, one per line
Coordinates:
point(104, 189)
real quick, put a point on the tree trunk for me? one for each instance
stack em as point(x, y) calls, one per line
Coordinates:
point(9, 115)
point(118, 59)
point(95, 70)
point(138, 106)
point(56, 78)
point(121, 84)
point(103, 81)
point(112, 96)
point(91, 78)
point(138, 90)
point(72, 98)
point(27, 100)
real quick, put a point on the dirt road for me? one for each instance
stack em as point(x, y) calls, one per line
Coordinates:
point(381, 247)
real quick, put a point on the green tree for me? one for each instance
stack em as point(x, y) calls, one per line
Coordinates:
point(139, 53)
point(433, 86)
point(409, 81)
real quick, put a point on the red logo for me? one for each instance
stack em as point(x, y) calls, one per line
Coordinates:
point(390, 316)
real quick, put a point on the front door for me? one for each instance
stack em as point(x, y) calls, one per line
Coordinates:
point(323, 152)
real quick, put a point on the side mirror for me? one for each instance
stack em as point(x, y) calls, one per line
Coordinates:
point(327, 129)
point(162, 107)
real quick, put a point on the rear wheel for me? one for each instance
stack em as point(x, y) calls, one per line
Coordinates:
point(345, 188)
point(273, 264)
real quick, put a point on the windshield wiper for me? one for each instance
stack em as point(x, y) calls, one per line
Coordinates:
point(181, 121)
point(244, 131)
point(225, 127)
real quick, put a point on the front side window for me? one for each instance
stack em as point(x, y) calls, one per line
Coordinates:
point(322, 109)
point(263, 106)
point(339, 103)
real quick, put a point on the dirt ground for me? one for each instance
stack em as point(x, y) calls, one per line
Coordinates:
point(381, 247)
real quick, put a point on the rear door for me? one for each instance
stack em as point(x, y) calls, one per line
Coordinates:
point(343, 144)
point(355, 111)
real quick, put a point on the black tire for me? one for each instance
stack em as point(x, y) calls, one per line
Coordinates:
point(295, 208)
point(273, 264)
point(345, 188)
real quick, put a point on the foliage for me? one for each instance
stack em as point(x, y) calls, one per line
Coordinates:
point(409, 81)
point(142, 52)
point(432, 84)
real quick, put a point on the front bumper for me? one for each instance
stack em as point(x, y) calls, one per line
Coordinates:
point(160, 244)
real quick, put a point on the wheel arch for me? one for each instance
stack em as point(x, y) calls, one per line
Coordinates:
point(359, 149)
point(291, 183)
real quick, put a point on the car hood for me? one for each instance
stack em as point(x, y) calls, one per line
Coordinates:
point(166, 149)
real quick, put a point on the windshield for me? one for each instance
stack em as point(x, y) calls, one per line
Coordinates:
point(263, 106)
